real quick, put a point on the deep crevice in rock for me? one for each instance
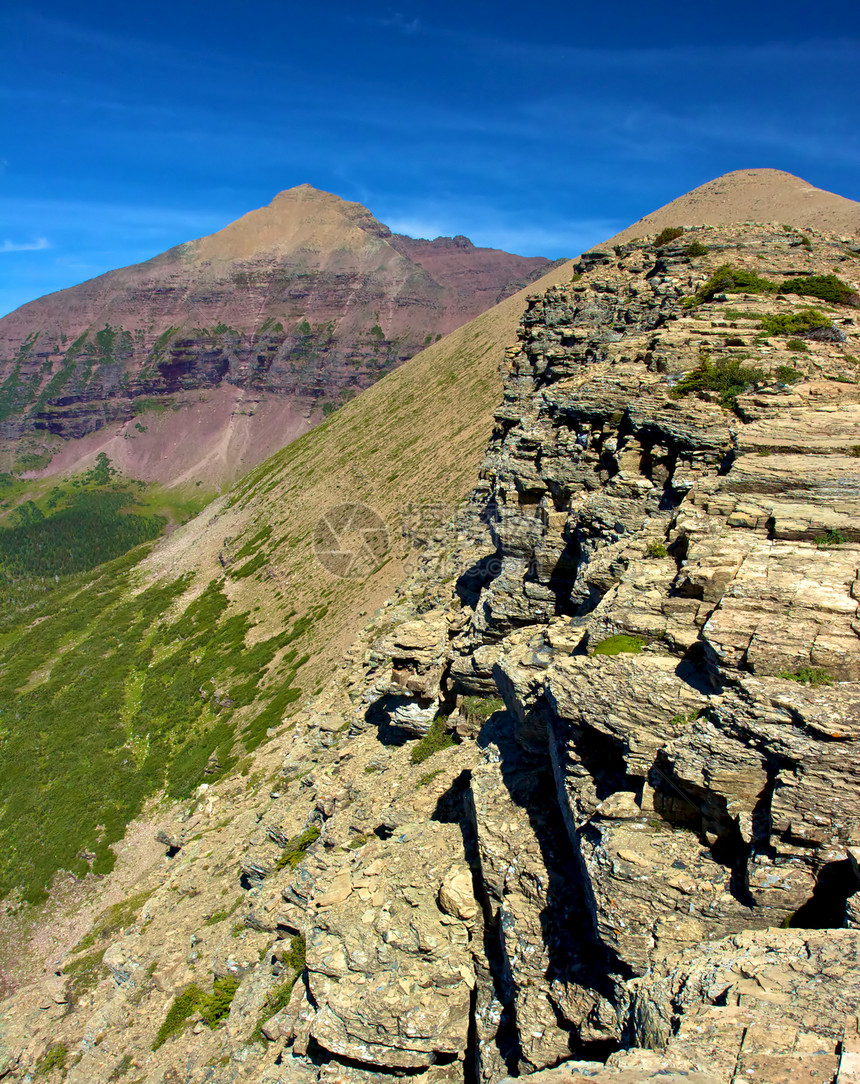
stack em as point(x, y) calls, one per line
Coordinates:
point(826, 909)
point(471, 583)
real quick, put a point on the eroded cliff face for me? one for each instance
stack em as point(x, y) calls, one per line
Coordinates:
point(585, 789)
point(309, 299)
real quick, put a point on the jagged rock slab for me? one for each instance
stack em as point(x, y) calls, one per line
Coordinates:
point(389, 968)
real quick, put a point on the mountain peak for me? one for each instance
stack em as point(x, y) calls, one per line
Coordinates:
point(307, 190)
point(752, 195)
point(302, 217)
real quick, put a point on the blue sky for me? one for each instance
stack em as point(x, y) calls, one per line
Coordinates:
point(128, 128)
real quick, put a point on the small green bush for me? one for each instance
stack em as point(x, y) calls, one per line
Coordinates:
point(85, 973)
point(278, 999)
point(684, 718)
point(798, 346)
point(437, 738)
point(696, 249)
point(786, 375)
point(216, 1006)
point(728, 376)
point(621, 644)
point(53, 1058)
point(825, 287)
point(112, 920)
point(295, 958)
point(294, 962)
point(428, 777)
point(121, 1068)
point(480, 708)
point(219, 916)
point(657, 549)
point(184, 1005)
point(794, 323)
point(152, 405)
point(213, 1008)
point(735, 280)
point(297, 848)
point(831, 538)
point(671, 233)
point(808, 675)
point(215, 918)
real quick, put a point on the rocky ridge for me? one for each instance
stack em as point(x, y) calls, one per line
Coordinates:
point(645, 858)
point(752, 195)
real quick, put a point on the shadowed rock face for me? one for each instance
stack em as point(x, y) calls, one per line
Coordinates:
point(310, 299)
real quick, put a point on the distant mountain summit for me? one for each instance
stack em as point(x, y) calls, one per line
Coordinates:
point(752, 195)
point(280, 316)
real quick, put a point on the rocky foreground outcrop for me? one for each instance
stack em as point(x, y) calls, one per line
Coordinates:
point(583, 801)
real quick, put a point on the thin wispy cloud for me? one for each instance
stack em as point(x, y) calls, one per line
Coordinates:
point(25, 246)
point(405, 24)
point(401, 22)
point(632, 58)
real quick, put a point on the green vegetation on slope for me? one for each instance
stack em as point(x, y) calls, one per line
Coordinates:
point(729, 377)
point(73, 527)
point(114, 686)
point(293, 962)
point(86, 532)
point(106, 696)
point(794, 323)
point(669, 234)
point(825, 287)
point(437, 738)
point(213, 1008)
point(297, 848)
point(737, 280)
point(622, 644)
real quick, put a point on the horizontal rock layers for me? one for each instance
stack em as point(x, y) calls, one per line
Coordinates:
point(310, 298)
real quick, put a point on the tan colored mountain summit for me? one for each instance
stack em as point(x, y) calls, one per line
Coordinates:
point(752, 195)
point(297, 218)
point(271, 322)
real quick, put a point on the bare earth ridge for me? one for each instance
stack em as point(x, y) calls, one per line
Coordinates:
point(752, 195)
